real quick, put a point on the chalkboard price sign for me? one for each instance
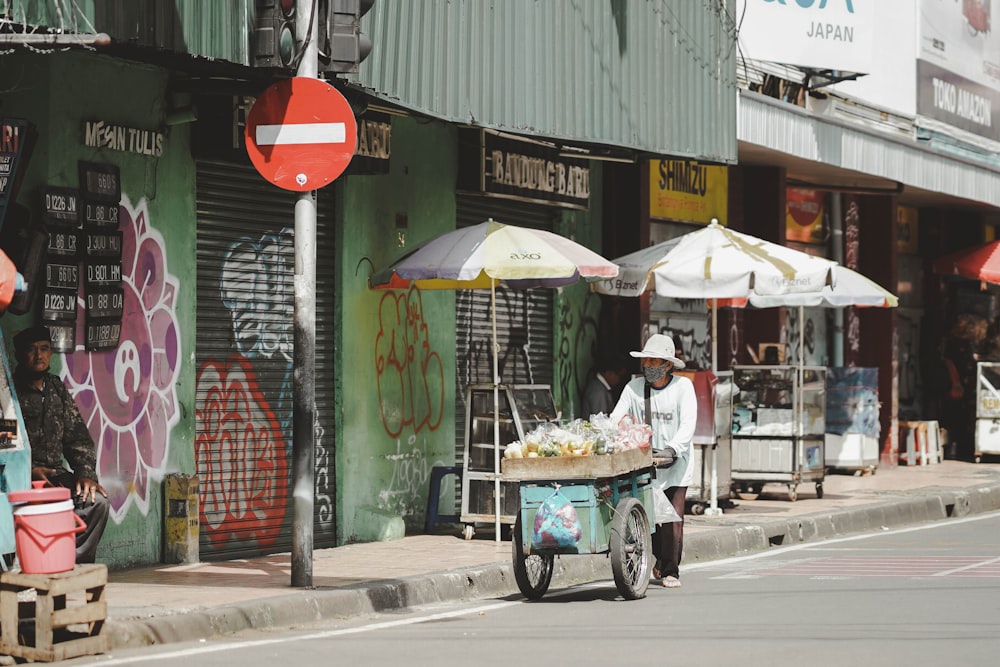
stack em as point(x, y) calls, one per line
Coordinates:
point(100, 181)
point(104, 273)
point(59, 305)
point(62, 242)
point(61, 206)
point(62, 276)
point(104, 244)
point(102, 334)
point(105, 303)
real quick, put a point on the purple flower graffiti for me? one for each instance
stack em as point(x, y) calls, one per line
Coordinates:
point(128, 395)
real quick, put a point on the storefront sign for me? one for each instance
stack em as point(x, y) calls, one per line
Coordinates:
point(804, 215)
point(958, 66)
point(61, 206)
point(101, 134)
point(16, 139)
point(524, 170)
point(824, 34)
point(374, 145)
point(688, 191)
point(907, 220)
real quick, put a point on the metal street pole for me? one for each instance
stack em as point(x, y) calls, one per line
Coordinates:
point(304, 365)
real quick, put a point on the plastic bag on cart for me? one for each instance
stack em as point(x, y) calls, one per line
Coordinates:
point(556, 523)
point(663, 511)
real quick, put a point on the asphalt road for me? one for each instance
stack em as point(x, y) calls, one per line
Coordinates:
point(927, 595)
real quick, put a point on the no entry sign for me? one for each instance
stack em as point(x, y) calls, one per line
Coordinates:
point(301, 134)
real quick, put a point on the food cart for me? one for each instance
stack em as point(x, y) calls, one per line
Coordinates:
point(987, 409)
point(522, 408)
point(779, 427)
point(612, 495)
point(712, 439)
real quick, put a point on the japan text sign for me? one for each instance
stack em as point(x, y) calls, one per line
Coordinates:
point(301, 134)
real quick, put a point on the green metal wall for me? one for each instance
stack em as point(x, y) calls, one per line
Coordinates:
point(138, 399)
point(397, 348)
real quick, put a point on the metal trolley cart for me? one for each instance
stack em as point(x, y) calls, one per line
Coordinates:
point(612, 496)
point(779, 427)
point(987, 409)
point(522, 408)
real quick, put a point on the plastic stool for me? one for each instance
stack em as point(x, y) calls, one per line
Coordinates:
point(433, 496)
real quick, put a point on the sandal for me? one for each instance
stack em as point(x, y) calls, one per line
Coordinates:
point(671, 582)
point(656, 572)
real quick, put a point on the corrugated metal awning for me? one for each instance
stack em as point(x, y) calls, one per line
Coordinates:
point(828, 151)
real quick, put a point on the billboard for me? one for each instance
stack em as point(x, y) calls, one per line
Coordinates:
point(958, 66)
point(820, 34)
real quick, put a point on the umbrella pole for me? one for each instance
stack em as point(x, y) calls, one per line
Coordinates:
point(713, 505)
point(802, 367)
point(496, 413)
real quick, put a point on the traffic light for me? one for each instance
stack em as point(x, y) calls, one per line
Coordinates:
point(274, 43)
point(342, 45)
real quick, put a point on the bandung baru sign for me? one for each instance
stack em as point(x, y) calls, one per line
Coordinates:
point(525, 170)
point(822, 34)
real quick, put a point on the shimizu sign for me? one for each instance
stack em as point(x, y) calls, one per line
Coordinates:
point(688, 191)
point(526, 170)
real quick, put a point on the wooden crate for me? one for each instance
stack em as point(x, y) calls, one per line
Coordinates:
point(47, 629)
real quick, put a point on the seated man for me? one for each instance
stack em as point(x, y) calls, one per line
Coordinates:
point(56, 430)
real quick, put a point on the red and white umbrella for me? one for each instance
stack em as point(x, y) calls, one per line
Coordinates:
point(981, 262)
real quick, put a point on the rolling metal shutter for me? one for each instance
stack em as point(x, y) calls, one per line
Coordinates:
point(245, 307)
point(524, 317)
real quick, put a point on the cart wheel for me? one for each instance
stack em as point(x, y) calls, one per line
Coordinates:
point(793, 492)
point(532, 572)
point(819, 489)
point(469, 531)
point(979, 458)
point(697, 509)
point(631, 549)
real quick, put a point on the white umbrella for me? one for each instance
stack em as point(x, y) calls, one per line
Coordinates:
point(483, 255)
point(718, 263)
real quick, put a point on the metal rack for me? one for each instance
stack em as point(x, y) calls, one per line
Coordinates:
point(522, 408)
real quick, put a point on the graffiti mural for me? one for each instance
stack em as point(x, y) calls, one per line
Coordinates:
point(409, 373)
point(578, 347)
point(128, 397)
point(241, 446)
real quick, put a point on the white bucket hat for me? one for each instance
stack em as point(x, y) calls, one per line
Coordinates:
point(660, 346)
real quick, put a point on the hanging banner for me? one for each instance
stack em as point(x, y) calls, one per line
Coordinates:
point(688, 191)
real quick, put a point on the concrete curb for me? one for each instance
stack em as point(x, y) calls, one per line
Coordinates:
point(497, 580)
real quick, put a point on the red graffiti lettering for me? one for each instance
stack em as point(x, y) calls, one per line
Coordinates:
point(410, 375)
point(242, 449)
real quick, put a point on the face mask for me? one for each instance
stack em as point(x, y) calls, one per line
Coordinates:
point(655, 374)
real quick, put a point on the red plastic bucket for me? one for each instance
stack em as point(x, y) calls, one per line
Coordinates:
point(45, 532)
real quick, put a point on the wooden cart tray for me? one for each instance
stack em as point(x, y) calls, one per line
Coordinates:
point(576, 467)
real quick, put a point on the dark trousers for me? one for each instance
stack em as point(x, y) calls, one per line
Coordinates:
point(93, 513)
point(668, 540)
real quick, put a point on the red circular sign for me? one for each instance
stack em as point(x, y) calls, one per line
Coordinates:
point(301, 134)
